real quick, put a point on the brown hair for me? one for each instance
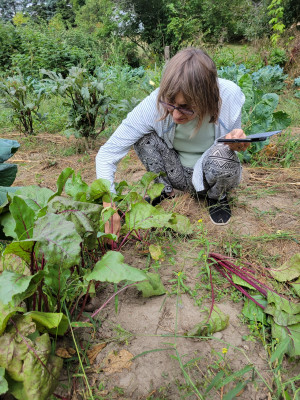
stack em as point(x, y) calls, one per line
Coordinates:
point(193, 73)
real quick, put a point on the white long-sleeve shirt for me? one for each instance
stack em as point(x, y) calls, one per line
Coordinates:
point(144, 119)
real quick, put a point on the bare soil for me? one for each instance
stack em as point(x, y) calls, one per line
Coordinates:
point(265, 205)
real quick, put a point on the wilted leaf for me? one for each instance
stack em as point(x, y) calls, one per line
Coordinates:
point(281, 317)
point(32, 372)
point(94, 351)
point(288, 271)
point(65, 353)
point(218, 321)
point(153, 286)
point(280, 303)
point(117, 362)
point(156, 252)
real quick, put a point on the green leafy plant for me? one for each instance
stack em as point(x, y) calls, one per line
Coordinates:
point(19, 96)
point(276, 10)
point(86, 97)
point(259, 114)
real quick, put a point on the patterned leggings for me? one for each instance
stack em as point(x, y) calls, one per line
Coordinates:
point(221, 168)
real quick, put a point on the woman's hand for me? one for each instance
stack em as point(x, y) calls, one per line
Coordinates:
point(237, 134)
point(113, 225)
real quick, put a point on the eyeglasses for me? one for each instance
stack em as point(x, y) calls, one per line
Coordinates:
point(171, 108)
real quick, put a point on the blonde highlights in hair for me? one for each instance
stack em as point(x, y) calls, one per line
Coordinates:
point(192, 73)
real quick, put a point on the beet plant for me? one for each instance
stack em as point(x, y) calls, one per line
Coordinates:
point(56, 255)
point(86, 100)
point(19, 95)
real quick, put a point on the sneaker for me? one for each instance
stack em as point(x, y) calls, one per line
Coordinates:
point(158, 199)
point(219, 211)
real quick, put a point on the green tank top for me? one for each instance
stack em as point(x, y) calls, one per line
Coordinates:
point(191, 149)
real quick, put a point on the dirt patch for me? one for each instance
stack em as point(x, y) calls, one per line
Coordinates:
point(264, 230)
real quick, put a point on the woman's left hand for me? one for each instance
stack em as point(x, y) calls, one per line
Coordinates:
point(237, 134)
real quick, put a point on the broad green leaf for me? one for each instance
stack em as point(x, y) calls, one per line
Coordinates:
point(145, 216)
point(24, 217)
point(156, 252)
point(155, 190)
point(109, 236)
point(97, 189)
point(252, 311)
point(281, 120)
point(85, 216)
point(7, 149)
point(61, 181)
point(35, 196)
point(22, 249)
point(3, 196)
point(54, 323)
point(288, 271)
point(76, 188)
point(8, 173)
point(112, 269)
point(57, 240)
point(266, 106)
point(281, 303)
point(218, 321)
point(152, 287)
point(180, 224)
point(148, 177)
point(3, 381)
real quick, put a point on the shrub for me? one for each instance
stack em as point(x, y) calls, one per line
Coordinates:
point(20, 96)
point(86, 99)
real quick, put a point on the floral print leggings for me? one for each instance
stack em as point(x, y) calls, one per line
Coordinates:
point(221, 167)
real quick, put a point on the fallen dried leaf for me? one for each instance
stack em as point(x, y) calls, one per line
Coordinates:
point(64, 353)
point(94, 351)
point(117, 362)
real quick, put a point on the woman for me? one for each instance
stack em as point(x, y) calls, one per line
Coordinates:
point(175, 130)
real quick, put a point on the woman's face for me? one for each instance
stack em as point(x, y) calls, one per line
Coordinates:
point(178, 116)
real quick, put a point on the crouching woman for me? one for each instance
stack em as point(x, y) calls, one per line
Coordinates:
point(175, 130)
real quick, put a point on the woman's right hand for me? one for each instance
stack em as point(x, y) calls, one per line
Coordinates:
point(113, 225)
